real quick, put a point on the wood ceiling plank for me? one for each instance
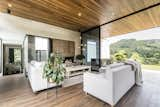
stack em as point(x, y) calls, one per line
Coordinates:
point(64, 13)
point(140, 21)
point(75, 20)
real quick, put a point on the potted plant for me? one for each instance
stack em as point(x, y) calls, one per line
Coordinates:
point(80, 58)
point(54, 70)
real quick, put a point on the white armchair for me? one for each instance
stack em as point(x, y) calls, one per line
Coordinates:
point(111, 85)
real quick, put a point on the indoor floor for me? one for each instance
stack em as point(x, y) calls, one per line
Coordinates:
point(15, 91)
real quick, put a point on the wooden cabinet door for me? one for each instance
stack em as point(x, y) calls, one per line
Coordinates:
point(71, 48)
point(66, 48)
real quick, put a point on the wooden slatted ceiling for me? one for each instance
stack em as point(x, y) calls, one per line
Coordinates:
point(64, 13)
point(140, 21)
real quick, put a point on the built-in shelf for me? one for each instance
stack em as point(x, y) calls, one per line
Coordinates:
point(74, 75)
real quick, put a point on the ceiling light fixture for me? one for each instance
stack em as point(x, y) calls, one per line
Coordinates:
point(113, 14)
point(9, 5)
point(79, 14)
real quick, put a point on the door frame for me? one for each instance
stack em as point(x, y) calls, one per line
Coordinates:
point(3, 52)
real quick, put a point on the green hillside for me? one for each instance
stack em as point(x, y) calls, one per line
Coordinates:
point(145, 51)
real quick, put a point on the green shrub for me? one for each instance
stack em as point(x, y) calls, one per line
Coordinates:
point(136, 56)
point(120, 56)
point(151, 61)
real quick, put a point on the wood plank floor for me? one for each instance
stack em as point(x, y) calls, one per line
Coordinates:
point(15, 91)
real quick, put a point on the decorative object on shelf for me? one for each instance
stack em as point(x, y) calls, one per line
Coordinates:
point(54, 70)
point(108, 61)
point(83, 47)
point(80, 58)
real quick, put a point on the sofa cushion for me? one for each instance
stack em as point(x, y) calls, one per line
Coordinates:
point(37, 64)
point(120, 68)
point(116, 65)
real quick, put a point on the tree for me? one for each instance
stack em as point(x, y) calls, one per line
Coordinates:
point(157, 55)
point(136, 56)
point(120, 56)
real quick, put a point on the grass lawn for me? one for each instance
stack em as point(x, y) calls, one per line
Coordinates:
point(151, 67)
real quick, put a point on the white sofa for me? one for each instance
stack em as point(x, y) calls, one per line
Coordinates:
point(35, 75)
point(111, 85)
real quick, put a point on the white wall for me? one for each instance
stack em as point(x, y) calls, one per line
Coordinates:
point(13, 30)
point(0, 56)
point(105, 49)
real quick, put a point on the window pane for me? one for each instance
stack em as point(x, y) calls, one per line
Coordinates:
point(41, 43)
point(91, 50)
point(38, 48)
point(17, 55)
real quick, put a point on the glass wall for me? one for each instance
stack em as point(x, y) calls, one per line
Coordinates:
point(91, 45)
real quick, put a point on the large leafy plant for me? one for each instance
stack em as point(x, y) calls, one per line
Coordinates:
point(54, 70)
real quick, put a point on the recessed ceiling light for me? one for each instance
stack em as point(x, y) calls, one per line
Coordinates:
point(79, 14)
point(113, 14)
point(9, 5)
